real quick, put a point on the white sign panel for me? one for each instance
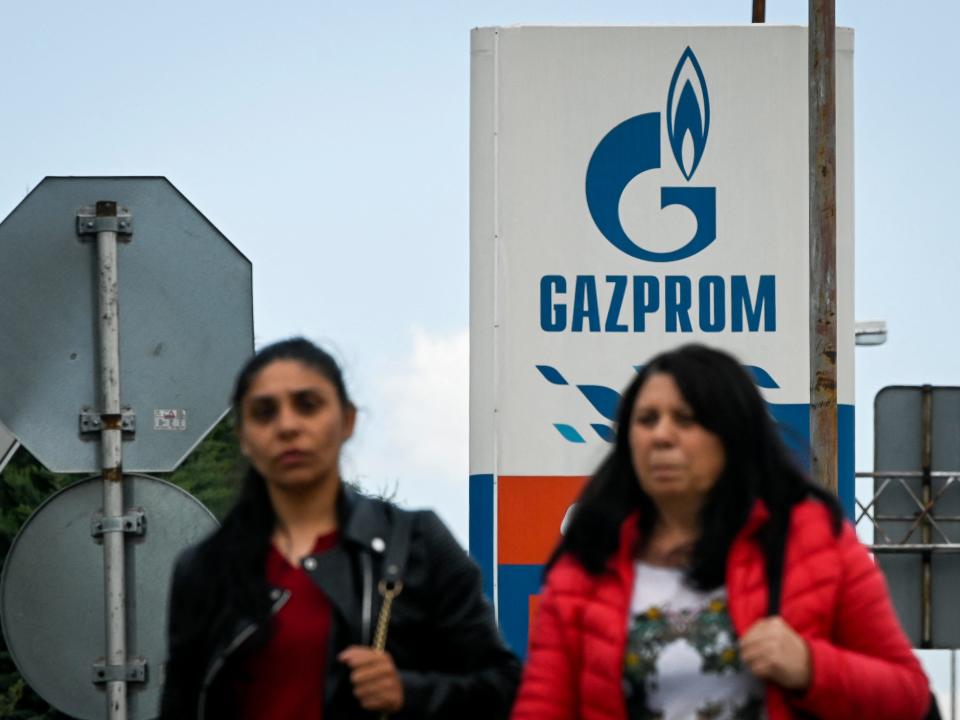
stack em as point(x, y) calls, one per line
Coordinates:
point(632, 189)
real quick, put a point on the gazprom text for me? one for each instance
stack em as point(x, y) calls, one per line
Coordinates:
point(624, 303)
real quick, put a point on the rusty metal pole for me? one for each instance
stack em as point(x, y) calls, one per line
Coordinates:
point(823, 243)
point(759, 11)
point(111, 455)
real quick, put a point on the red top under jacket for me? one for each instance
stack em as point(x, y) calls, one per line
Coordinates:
point(285, 680)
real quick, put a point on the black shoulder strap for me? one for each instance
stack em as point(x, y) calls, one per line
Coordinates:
point(395, 559)
point(776, 550)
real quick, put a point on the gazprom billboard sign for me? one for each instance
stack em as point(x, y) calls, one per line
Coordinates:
point(632, 189)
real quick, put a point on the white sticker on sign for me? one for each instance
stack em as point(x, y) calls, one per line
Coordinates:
point(170, 420)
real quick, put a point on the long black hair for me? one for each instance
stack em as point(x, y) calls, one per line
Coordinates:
point(725, 401)
point(238, 583)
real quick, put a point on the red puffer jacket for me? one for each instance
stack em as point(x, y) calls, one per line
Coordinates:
point(833, 595)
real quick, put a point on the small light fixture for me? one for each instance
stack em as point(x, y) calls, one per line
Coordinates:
point(871, 333)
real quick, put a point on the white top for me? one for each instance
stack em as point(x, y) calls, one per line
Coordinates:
point(681, 646)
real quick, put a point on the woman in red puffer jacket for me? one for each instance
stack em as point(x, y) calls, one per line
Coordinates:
point(656, 599)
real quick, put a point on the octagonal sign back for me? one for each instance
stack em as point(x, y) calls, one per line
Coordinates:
point(186, 322)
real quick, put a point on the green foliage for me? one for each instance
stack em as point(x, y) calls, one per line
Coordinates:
point(9, 700)
point(210, 474)
point(25, 484)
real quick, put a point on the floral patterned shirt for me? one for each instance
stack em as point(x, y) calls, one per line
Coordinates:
point(682, 656)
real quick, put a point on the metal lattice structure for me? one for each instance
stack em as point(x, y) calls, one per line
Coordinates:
point(922, 531)
point(923, 522)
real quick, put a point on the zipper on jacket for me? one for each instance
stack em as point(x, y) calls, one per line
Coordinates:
point(367, 607)
point(280, 598)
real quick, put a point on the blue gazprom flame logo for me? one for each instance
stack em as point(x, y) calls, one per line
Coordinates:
point(684, 119)
point(633, 147)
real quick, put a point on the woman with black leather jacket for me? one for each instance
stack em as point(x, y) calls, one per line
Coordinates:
point(274, 615)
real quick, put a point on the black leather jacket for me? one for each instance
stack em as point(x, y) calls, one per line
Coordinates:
point(442, 634)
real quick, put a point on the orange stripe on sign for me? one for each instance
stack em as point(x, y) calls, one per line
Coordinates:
point(529, 512)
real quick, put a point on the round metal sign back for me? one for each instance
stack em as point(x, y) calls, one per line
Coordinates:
point(52, 592)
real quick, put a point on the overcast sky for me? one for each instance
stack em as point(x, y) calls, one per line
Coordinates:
point(329, 142)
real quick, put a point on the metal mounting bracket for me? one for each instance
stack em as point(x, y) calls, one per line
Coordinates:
point(93, 422)
point(89, 224)
point(133, 523)
point(134, 671)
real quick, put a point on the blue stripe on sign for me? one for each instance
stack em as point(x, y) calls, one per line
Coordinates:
point(552, 375)
point(516, 584)
point(603, 399)
point(569, 433)
point(605, 432)
point(794, 423)
point(761, 377)
point(481, 528)
point(846, 458)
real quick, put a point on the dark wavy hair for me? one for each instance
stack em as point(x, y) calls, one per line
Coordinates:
point(725, 401)
point(242, 542)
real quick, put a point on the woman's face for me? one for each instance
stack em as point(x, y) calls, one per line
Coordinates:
point(675, 457)
point(293, 424)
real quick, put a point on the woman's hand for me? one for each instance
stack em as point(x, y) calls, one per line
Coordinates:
point(376, 682)
point(772, 650)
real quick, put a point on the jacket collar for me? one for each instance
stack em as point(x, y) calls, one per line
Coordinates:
point(363, 525)
point(363, 521)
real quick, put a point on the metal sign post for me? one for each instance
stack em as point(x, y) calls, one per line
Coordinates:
point(107, 225)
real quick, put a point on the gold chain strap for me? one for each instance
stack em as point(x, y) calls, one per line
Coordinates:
point(388, 591)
